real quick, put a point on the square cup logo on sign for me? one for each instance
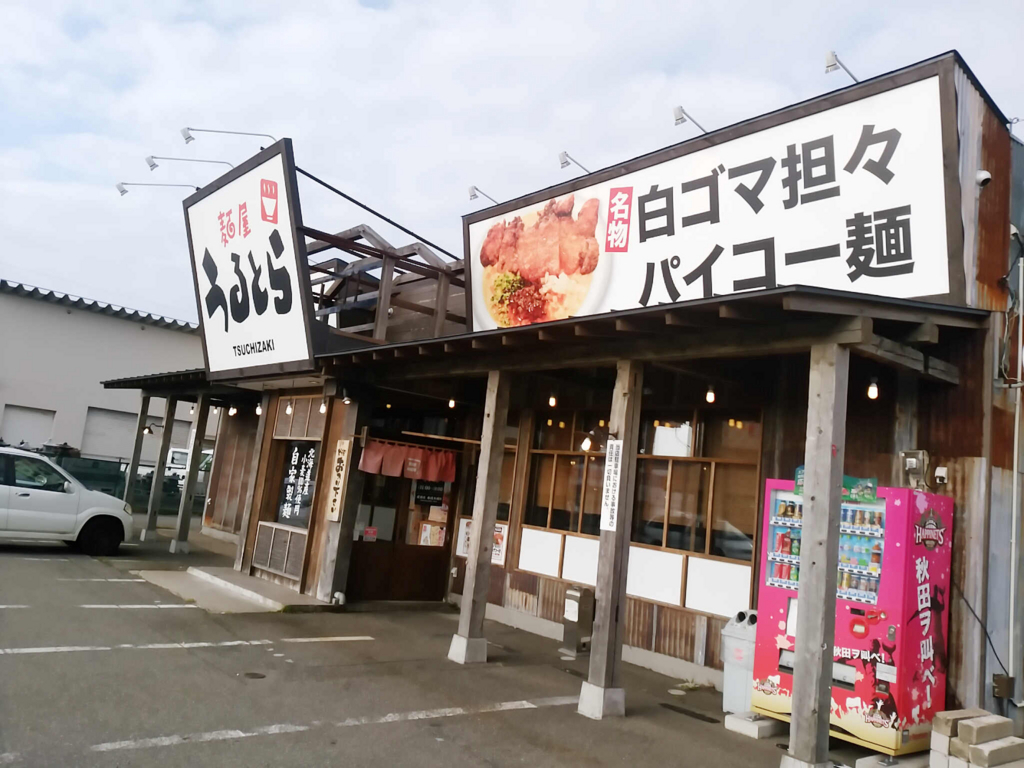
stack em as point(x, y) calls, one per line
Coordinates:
point(249, 279)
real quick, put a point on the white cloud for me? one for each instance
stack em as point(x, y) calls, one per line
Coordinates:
point(403, 106)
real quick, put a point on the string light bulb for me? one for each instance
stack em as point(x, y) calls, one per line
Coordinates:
point(259, 409)
point(191, 409)
point(232, 411)
point(552, 401)
point(323, 406)
point(288, 408)
point(710, 396)
point(389, 406)
point(451, 403)
point(587, 441)
point(873, 389)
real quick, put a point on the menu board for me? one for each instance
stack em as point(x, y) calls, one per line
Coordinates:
point(429, 493)
point(298, 483)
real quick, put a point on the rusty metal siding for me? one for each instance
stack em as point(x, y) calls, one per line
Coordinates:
point(496, 585)
point(970, 111)
point(950, 418)
point(994, 214)
point(639, 624)
point(521, 592)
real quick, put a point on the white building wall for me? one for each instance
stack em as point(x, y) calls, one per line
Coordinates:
point(53, 358)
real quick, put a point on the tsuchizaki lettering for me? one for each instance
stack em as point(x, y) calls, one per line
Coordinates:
point(253, 347)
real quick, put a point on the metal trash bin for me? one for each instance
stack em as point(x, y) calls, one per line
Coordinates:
point(738, 639)
point(577, 621)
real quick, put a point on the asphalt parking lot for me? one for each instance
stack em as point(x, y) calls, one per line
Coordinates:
point(102, 668)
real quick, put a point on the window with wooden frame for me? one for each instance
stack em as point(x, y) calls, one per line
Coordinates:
point(696, 484)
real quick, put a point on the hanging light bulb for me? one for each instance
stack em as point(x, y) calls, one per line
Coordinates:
point(147, 430)
point(739, 425)
point(232, 411)
point(323, 406)
point(710, 396)
point(191, 409)
point(389, 406)
point(600, 422)
point(216, 409)
point(873, 389)
point(451, 403)
point(552, 401)
point(259, 409)
point(587, 441)
point(288, 408)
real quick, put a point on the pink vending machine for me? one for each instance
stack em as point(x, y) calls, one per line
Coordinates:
point(890, 658)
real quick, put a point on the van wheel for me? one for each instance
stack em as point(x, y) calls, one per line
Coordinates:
point(101, 537)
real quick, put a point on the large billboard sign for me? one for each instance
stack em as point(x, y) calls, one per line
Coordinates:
point(250, 269)
point(848, 198)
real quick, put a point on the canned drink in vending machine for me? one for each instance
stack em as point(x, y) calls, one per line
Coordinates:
point(785, 571)
point(794, 573)
point(777, 571)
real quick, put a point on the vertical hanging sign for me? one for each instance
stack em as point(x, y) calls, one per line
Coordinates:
point(610, 495)
point(339, 478)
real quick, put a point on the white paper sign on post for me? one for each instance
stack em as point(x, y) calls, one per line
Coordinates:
point(610, 495)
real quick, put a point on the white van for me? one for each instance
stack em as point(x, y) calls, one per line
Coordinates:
point(39, 500)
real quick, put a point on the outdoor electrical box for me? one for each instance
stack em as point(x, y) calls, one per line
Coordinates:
point(577, 621)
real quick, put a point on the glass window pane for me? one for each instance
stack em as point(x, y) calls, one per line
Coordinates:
point(667, 434)
point(591, 522)
point(33, 473)
point(536, 512)
point(688, 504)
point(508, 471)
point(735, 436)
point(734, 511)
point(649, 505)
point(565, 506)
point(553, 431)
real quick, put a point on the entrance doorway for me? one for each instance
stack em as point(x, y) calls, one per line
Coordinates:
point(403, 543)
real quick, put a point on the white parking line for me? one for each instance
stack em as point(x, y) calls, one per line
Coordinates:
point(343, 639)
point(4, 607)
point(143, 605)
point(392, 717)
point(111, 580)
point(43, 559)
point(127, 646)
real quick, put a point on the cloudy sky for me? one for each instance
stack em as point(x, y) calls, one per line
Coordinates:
point(401, 104)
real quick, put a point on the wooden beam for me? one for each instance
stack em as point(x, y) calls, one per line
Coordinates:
point(188, 493)
point(893, 353)
point(558, 333)
point(469, 644)
point(488, 342)
point(354, 336)
point(133, 465)
point(825, 448)
point(631, 325)
point(593, 331)
point(854, 308)
point(156, 491)
point(925, 333)
point(684, 319)
point(748, 314)
point(355, 329)
point(441, 305)
point(602, 694)
point(724, 343)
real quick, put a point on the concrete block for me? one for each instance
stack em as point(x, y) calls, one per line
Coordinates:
point(978, 730)
point(998, 752)
point(940, 743)
point(958, 749)
point(754, 725)
point(956, 762)
point(468, 650)
point(938, 760)
point(788, 761)
point(946, 722)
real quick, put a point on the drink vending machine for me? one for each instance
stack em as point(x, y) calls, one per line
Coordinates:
point(889, 655)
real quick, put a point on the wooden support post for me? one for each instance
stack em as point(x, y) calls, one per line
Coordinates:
point(337, 551)
point(904, 436)
point(601, 695)
point(188, 493)
point(250, 492)
point(380, 319)
point(441, 304)
point(156, 491)
point(468, 644)
point(819, 556)
point(133, 465)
